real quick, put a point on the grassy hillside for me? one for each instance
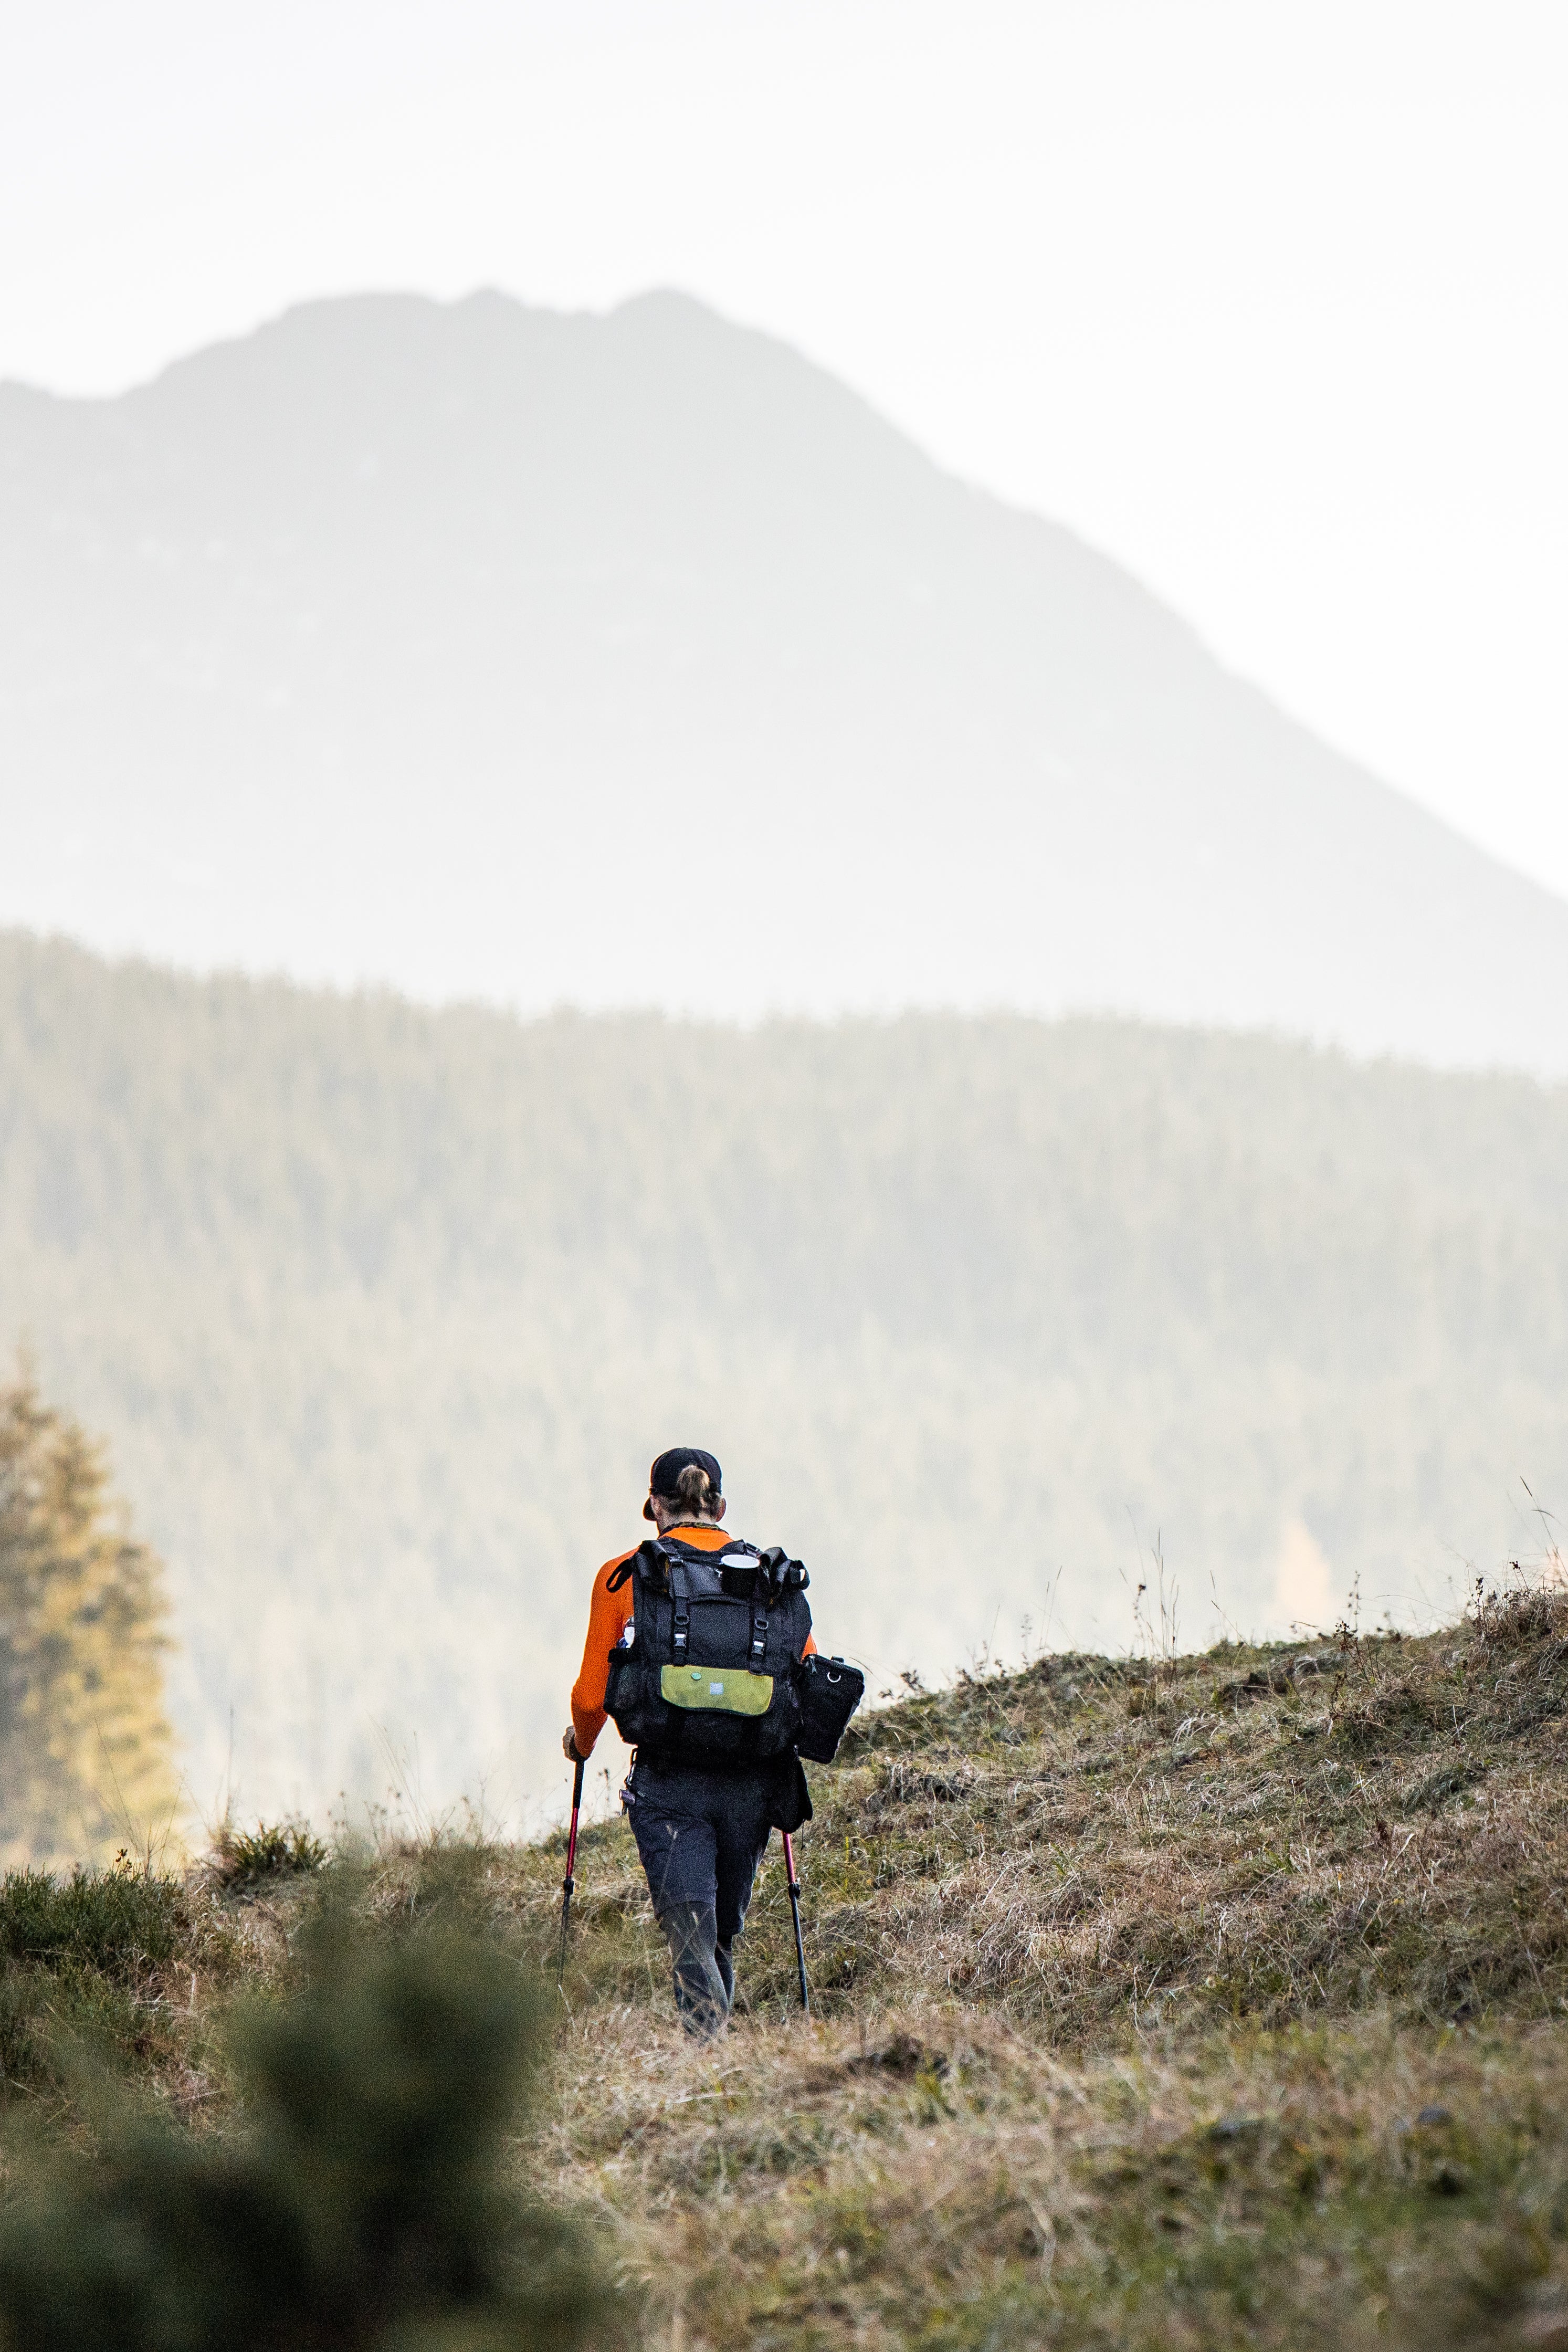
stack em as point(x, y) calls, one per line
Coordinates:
point(385, 1311)
point(1213, 2000)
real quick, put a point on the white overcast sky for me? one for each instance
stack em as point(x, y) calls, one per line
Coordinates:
point(1266, 300)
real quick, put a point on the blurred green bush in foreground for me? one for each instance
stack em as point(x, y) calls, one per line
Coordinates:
point(363, 2201)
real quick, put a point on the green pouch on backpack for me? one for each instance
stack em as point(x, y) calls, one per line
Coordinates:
point(716, 1690)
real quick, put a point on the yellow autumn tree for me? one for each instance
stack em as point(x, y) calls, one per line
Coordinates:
point(85, 1752)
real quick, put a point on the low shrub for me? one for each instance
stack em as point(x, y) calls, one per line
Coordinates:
point(361, 2203)
point(1525, 1614)
point(117, 1921)
point(248, 1858)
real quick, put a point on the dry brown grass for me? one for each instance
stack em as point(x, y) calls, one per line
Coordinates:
point(949, 2182)
point(1218, 2001)
point(1221, 2003)
point(1098, 1847)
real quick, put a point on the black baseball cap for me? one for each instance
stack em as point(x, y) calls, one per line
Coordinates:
point(669, 1465)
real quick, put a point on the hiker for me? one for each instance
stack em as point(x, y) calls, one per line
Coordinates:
point(695, 1642)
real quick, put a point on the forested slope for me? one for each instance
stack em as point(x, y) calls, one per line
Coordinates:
point(385, 1311)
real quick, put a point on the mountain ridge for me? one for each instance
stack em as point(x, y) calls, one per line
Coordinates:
point(434, 644)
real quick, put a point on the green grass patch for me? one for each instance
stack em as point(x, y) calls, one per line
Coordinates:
point(117, 1922)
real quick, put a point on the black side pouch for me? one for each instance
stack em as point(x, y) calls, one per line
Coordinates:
point(831, 1691)
point(788, 1797)
point(636, 1710)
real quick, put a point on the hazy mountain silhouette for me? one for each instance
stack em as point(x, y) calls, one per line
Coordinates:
point(481, 648)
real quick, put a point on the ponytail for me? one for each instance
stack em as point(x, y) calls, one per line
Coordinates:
point(697, 1495)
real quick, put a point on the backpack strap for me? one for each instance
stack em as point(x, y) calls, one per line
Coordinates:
point(759, 1639)
point(681, 1593)
point(650, 1557)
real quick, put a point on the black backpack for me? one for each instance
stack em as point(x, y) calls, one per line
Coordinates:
point(708, 1670)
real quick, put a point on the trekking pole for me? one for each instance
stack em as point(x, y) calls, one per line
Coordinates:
point(568, 1882)
point(795, 1907)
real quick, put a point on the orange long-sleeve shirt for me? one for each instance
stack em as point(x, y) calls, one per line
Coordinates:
point(609, 1614)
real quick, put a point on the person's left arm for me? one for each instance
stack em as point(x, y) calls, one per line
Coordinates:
point(608, 1616)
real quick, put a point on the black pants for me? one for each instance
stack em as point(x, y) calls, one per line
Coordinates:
point(701, 1833)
